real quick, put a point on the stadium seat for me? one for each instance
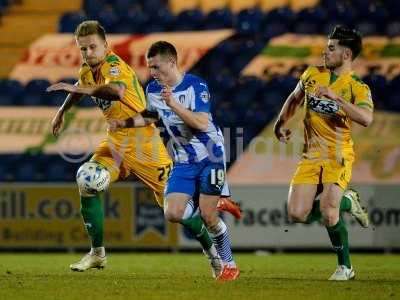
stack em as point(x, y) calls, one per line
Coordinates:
point(37, 86)
point(57, 171)
point(26, 170)
point(32, 99)
point(297, 5)
point(282, 15)
point(378, 86)
point(6, 100)
point(366, 28)
point(178, 6)
point(11, 87)
point(239, 5)
point(69, 21)
point(268, 5)
point(189, 20)
point(220, 18)
point(249, 21)
point(210, 5)
point(392, 29)
point(305, 27)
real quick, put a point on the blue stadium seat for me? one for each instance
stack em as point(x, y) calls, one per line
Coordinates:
point(272, 29)
point(69, 21)
point(37, 86)
point(86, 102)
point(11, 87)
point(189, 20)
point(57, 171)
point(306, 27)
point(6, 99)
point(280, 15)
point(367, 28)
point(55, 98)
point(70, 80)
point(108, 19)
point(249, 21)
point(32, 99)
point(152, 6)
point(93, 7)
point(219, 18)
point(392, 29)
point(26, 170)
point(395, 84)
point(378, 86)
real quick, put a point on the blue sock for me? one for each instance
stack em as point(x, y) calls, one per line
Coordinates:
point(220, 235)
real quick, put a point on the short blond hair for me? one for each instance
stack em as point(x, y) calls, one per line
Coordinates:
point(90, 27)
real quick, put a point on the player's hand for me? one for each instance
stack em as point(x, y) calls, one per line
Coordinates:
point(166, 94)
point(282, 134)
point(114, 125)
point(325, 92)
point(62, 86)
point(57, 122)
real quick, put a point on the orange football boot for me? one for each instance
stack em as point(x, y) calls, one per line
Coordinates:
point(228, 273)
point(230, 206)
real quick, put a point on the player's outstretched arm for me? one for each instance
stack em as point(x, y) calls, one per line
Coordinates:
point(111, 91)
point(291, 105)
point(139, 120)
point(58, 119)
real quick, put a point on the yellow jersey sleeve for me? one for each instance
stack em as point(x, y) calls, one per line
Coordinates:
point(83, 74)
point(118, 72)
point(362, 95)
point(306, 76)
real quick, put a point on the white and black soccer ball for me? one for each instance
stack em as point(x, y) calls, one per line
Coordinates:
point(92, 178)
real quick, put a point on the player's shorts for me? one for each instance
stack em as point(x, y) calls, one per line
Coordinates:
point(152, 171)
point(324, 171)
point(205, 177)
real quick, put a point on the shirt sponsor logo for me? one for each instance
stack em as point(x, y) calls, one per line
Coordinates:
point(114, 71)
point(322, 106)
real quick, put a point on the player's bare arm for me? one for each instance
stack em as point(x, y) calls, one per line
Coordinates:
point(360, 115)
point(196, 120)
point(291, 105)
point(58, 119)
point(111, 91)
point(139, 120)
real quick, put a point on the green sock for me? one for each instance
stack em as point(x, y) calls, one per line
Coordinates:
point(315, 214)
point(340, 242)
point(93, 216)
point(345, 204)
point(196, 226)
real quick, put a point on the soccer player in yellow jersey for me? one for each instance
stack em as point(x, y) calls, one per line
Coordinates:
point(332, 98)
point(114, 87)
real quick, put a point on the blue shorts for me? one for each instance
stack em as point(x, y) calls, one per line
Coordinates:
point(204, 177)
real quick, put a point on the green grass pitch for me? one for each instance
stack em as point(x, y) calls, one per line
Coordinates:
point(188, 276)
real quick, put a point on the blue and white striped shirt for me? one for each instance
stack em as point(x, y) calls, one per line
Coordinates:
point(187, 145)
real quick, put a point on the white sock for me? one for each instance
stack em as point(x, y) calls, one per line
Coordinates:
point(212, 252)
point(99, 251)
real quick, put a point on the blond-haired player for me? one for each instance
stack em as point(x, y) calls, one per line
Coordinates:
point(116, 90)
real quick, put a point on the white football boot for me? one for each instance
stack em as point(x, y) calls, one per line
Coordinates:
point(343, 273)
point(89, 261)
point(357, 211)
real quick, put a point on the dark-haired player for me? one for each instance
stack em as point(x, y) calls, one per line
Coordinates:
point(332, 97)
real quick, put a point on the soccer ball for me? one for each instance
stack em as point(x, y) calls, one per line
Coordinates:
point(92, 178)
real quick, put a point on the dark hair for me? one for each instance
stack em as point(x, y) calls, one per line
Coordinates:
point(349, 38)
point(90, 27)
point(162, 48)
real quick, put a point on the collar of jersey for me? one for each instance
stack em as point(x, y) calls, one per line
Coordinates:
point(179, 83)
